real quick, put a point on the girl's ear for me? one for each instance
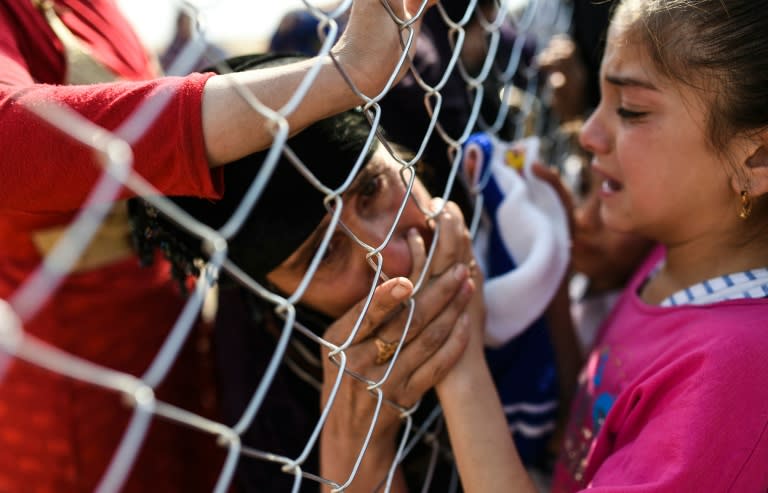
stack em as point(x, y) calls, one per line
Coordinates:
point(757, 167)
point(757, 171)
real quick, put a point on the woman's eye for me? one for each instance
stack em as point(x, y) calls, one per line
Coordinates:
point(629, 114)
point(367, 194)
point(371, 187)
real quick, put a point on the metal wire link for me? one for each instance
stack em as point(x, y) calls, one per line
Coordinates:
point(114, 151)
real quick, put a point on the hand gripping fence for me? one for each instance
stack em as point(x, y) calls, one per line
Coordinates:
point(539, 18)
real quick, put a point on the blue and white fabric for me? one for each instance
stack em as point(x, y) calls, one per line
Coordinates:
point(739, 285)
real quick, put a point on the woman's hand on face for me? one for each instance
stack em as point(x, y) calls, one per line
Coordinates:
point(435, 340)
point(454, 245)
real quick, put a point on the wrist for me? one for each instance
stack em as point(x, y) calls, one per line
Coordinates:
point(338, 458)
point(461, 381)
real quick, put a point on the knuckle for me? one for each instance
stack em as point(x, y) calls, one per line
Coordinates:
point(434, 336)
point(455, 211)
point(447, 285)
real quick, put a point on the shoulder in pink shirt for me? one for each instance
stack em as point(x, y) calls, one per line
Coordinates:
point(672, 399)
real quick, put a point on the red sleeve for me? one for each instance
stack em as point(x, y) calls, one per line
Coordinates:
point(45, 170)
point(42, 162)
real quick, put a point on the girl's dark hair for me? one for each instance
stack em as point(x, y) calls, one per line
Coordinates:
point(288, 210)
point(718, 46)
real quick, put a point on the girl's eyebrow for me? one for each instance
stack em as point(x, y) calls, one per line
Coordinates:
point(624, 81)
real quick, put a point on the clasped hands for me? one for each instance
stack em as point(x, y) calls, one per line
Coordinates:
point(399, 359)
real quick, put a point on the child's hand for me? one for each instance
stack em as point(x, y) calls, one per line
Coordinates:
point(453, 241)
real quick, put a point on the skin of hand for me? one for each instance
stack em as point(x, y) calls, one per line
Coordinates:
point(436, 339)
point(368, 51)
point(370, 46)
point(482, 444)
point(454, 243)
point(567, 76)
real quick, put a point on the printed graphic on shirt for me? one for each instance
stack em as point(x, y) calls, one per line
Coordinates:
point(591, 406)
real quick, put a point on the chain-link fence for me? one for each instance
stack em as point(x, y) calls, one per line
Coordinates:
point(502, 95)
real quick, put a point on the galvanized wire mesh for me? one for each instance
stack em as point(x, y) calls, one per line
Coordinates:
point(536, 18)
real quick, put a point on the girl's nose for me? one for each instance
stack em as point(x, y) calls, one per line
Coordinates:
point(594, 137)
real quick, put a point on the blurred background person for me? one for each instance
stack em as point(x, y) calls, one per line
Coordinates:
point(186, 31)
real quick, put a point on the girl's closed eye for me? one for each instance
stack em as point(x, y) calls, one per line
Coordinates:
point(626, 114)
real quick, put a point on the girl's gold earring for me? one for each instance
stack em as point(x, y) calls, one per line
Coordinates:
point(746, 205)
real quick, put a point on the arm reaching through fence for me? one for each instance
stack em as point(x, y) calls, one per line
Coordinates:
point(203, 119)
point(368, 51)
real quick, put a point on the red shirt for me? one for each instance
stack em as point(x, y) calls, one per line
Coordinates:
point(58, 434)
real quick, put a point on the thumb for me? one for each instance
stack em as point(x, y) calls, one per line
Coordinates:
point(386, 298)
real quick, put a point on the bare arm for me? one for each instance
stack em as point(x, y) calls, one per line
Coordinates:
point(368, 51)
point(482, 444)
point(480, 438)
point(205, 121)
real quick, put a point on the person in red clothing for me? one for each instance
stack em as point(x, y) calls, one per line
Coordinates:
point(56, 433)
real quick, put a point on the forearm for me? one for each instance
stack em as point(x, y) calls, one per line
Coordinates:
point(368, 52)
point(480, 438)
point(232, 128)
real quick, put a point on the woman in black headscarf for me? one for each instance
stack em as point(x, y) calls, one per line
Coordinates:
point(274, 247)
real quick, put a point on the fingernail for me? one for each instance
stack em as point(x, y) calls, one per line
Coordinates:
point(414, 233)
point(460, 272)
point(400, 291)
point(436, 203)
